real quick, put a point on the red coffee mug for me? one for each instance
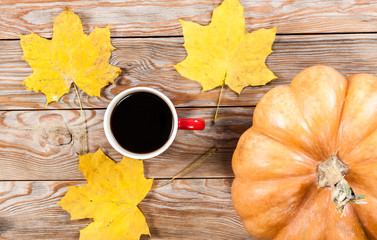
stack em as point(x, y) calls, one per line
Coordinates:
point(177, 123)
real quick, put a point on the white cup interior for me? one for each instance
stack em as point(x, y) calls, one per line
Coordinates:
point(110, 137)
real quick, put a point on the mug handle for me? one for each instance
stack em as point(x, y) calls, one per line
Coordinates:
point(190, 124)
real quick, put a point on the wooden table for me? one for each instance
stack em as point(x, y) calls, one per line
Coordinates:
point(39, 144)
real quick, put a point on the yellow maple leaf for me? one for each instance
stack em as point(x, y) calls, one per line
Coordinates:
point(110, 198)
point(224, 53)
point(71, 56)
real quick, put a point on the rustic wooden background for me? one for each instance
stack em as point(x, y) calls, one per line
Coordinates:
point(39, 144)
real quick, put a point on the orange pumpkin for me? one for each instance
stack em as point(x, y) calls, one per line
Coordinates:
point(302, 170)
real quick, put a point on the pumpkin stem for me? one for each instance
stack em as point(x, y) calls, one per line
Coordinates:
point(331, 174)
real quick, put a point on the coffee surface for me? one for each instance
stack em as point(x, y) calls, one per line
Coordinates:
point(141, 122)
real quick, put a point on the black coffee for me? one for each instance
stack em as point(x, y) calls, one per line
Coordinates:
point(141, 122)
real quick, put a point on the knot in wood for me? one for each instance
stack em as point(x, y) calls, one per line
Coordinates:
point(56, 134)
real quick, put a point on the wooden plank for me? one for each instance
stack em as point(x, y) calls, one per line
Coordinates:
point(43, 145)
point(149, 62)
point(160, 18)
point(185, 209)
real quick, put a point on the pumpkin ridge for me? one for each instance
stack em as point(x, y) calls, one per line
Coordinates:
point(266, 163)
point(363, 189)
point(337, 143)
point(284, 94)
point(311, 198)
point(365, 230)
point(358, 123)
point(334, 81)
point(358, 209)
point(359, 143)
point(291, 201)
point(301, 113)
point(298, 177)
point(290, 146)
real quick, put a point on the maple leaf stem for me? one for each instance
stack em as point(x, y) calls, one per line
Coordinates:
point(186, 170)
point(82, 119)
point(218, 103)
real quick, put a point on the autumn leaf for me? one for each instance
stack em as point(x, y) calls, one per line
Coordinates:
point(110, 198)
point(224, 53)
point(71, 56)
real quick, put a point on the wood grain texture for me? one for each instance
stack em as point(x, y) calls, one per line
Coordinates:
point(38, 149)
point(149, 62)
point(186, 209)
point(160, 18)
point(43, 145)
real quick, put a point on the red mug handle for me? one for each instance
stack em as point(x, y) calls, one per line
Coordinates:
point(191, 124)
